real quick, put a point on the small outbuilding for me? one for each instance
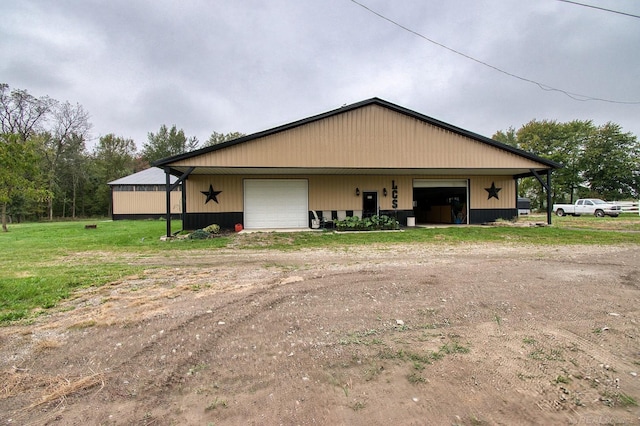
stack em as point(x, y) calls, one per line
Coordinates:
point(524, 206)
point(369, 158)
point(142, 195)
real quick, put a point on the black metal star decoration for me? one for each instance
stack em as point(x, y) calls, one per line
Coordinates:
point(211, 194)
point(493, 191)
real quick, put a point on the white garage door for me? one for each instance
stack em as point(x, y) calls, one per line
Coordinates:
point(276, 203)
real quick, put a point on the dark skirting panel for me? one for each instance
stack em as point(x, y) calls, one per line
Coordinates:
point(227, 220)
point(477, 216)
point(144, 216)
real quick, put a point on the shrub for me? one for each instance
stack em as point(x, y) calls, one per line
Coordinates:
point(212, 229)
point(199, 234)
point(372, 223)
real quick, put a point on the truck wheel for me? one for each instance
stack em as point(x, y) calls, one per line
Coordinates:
point(599, 213)
point(560, 212)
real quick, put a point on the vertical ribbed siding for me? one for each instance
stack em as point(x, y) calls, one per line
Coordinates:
point(229, 200)
point(145, 202)
point(478, 196)
point(369, 137)
point(337, 192)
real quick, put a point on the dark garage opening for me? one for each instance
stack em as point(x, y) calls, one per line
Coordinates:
point(440, 205)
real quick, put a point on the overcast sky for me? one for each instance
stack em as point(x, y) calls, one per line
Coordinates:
point(248, 65)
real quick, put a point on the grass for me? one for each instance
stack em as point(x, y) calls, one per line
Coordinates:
point(419, 361)
point(618, 398)
point(550, 236)
point(43, 263)
point(624, 222)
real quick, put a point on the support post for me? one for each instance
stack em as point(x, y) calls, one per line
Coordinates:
point(549, 200)
point(517, 196)
point(168, 194)
point(184, 203)
point(547, 186)
point(169, 188)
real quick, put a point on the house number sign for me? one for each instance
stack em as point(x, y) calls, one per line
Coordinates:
point(394, 194)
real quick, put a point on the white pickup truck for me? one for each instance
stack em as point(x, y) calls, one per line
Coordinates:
point(592, 206)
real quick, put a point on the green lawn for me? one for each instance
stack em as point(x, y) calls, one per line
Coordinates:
point(43, 263)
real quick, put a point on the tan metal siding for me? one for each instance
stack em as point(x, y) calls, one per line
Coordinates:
point(478, 196)
point(145, 202)
point(369, 137)
point(330, 192)
point(325, 192)
point(339, 192)
point(229, 200)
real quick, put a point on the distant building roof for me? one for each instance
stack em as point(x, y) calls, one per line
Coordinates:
point(150, 176)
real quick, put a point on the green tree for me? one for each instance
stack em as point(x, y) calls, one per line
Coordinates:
point(597, 161)
point(167, 143)
point(113, 157)
point(18, 172)
point(508, 137)
point(546, 139)
point(217, 138)
point(611, 163)
point(563, 143)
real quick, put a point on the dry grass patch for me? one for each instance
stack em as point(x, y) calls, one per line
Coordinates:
point(65, 387)
point(45, 345)
point(83, 324)
point(53, 388)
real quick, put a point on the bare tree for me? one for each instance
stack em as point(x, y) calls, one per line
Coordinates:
point(70, 125)
point(21, 113)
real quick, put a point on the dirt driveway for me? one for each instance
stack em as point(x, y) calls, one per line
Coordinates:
point(391, 334)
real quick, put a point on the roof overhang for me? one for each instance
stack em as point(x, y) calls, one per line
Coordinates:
point(248, 171)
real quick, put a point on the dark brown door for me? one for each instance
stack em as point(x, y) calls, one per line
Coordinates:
point(369, 204)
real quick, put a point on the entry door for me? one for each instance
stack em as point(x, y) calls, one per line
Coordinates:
point(369, 204)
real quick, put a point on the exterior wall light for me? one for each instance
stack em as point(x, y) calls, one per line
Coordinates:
point(357, 192)
point(384, 192)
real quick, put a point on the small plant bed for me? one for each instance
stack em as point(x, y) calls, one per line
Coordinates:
point(373, 223)
point(210, 231)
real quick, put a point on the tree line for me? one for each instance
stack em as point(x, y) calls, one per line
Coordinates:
point(46, 169)
point(598, 161)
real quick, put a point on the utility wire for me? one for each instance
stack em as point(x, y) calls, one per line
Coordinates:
point(574, 96)
point(601, 8)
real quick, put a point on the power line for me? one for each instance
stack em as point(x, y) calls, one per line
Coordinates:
point(601, 8)
point(574, 96)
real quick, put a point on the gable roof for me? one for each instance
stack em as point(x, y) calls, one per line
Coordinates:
point(150, 176)
point(515, 153)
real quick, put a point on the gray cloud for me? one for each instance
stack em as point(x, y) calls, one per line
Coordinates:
point(251, 65)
